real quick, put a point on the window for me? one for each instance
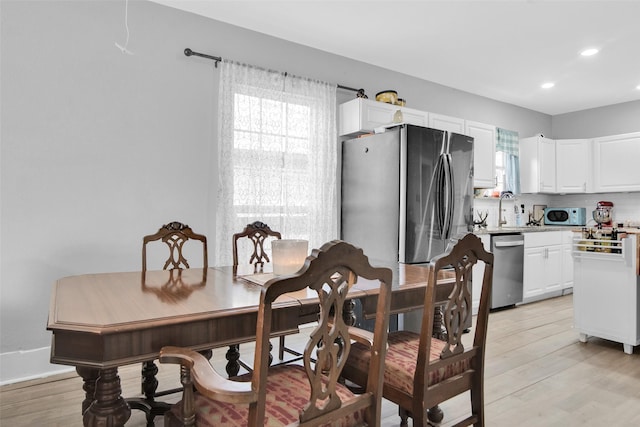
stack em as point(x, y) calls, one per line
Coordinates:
point(277, 156)
point(507, 163)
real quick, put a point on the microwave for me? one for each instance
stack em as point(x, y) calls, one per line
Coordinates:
point(565, 216)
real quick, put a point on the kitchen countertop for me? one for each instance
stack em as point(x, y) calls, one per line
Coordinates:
point(523, 229)
point(576, 229)
point(540, 228)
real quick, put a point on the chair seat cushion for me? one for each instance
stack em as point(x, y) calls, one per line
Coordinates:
point(401, 360)
point(288, 392)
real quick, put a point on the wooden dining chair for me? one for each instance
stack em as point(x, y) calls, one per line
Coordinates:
point(422, 371)
point(174, 234)
point(292, 394)
point(258, 233)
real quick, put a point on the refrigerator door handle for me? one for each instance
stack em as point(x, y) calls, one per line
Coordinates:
point(440, 197)
point(448, 190)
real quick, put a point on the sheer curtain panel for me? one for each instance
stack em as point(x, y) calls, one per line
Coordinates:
point(277, 146)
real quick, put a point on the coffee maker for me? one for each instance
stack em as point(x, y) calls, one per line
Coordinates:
point(603, 214)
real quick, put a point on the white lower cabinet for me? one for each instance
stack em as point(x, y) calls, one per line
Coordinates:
point(567, 261)
point(542, 270)
point(478, 273)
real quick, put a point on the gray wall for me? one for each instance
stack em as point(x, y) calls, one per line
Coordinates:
point(100, 148)
point(595, 122)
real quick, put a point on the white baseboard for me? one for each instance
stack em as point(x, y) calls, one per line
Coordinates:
point(26, 365)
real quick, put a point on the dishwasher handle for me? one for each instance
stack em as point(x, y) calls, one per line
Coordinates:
point(504, 244)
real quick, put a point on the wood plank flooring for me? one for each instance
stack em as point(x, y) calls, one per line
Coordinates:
point(537, 374)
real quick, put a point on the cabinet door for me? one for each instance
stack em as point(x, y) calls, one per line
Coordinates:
point(547, 165)
point(553, 257)
point(484, 153)
point(537, 165)
point(615, 163)
point(567, 262)
point(450, 124)
point(533, 273)
point(360, 116)
point(573, 165)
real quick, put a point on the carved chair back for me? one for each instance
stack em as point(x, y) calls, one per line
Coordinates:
point(174, 234)
point(429, 388)
point(426, 368)
point(257, 232)
point(328, 272)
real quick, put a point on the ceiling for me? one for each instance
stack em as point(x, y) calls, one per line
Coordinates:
point(502, 50)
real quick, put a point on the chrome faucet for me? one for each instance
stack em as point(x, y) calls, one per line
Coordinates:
point(503, 195)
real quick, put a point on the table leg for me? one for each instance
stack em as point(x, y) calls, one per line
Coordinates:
point(349, 313)
point(438, 330)
point(89, 376)
point(232, 356)
point(149, 383)
point(108, 409)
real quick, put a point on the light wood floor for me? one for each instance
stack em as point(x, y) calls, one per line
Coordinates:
point(537, 374)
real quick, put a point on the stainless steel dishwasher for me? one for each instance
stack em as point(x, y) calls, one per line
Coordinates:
point(508, 259)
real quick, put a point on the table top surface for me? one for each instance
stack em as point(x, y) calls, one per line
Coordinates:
point(113, 302)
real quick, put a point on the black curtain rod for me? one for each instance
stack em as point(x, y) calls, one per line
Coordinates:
point(189, 52)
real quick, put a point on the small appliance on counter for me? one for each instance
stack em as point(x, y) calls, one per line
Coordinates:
point(603, 215)
point(565, 216)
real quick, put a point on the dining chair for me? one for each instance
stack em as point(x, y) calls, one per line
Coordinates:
point(174, 234)
point(295, 394)
point(258, 233)
point(422, 371)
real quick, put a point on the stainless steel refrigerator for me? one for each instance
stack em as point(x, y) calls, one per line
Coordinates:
point(407, 194)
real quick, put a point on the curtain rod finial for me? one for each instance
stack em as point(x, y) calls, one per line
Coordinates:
point(188, 52)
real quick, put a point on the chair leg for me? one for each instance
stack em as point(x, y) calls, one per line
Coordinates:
point(404, 417)
point(435, 414)
point(281, 349)
point(477, 404)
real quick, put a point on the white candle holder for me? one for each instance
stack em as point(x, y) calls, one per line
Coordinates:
point(288, 255)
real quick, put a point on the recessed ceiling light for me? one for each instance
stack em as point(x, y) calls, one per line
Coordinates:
point(589, 52)
point(638, 87)
point(547, 85)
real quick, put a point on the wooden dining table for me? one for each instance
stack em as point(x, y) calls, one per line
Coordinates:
point(102, 321)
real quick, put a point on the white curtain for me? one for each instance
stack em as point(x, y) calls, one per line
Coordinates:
point(277, 146)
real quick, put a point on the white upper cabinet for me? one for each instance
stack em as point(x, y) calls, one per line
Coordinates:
point(616, 163)
point(450, 124)
point(364, 115)
point(484, 153)
point(537, 165)
point(484, 145)
point(573, 166)
point(360, 116)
